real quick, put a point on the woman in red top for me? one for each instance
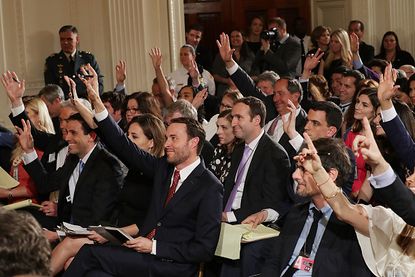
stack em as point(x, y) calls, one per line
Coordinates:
point(366, 103)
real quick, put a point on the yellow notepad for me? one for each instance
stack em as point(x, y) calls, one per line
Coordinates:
point(21, 204)
point(231, 237)
point(7, 181)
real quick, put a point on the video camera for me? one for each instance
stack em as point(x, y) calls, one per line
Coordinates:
point(272, 36)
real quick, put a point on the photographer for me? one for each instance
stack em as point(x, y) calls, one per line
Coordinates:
point(279, 52)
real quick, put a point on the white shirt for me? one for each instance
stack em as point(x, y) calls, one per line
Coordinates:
point(180, 78)
point(279, 130)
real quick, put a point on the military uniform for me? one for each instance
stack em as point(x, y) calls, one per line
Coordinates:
point(58, 65)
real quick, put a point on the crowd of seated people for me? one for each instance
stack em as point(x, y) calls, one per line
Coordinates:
point(317, 142)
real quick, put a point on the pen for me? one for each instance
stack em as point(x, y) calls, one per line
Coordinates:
point(17, 81)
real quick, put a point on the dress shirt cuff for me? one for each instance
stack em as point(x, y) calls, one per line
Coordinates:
point(231, 70)
point(17, 110)
point(153, 247)
point(119, 87)
point(296, 142)
point(101, 116)
point(302, 80)
point(389, 114)
point(358, 64)
point(231, 217)
point(272, 215)
point(29, 157)
point(383, 180)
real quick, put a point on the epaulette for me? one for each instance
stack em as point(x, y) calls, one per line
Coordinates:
point(85, 52)
point(53, 55)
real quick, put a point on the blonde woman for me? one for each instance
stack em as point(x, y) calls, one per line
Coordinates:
point(339, 53)
point(38, 113)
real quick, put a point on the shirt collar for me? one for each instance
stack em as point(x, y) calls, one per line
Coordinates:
point(253, 144)
point(284, 38)
point(186, 171)
point(326, 210)
point(86, 157)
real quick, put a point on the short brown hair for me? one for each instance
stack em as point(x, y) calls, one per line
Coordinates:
point(194, 130)
point(256, 107)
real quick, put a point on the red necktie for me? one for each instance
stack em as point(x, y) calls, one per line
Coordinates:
point(172, 190)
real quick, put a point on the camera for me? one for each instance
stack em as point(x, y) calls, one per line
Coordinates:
point(269, 34)
point(272, 36)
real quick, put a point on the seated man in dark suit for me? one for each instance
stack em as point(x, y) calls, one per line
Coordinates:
point(258, 177)
point(182, 225)
point(313, 242)
point(88, 182)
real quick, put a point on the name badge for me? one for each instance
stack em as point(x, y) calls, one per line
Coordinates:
point(303, 263)
point(68, 198)
point(52, 158)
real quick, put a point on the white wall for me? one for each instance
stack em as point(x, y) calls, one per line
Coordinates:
point(110, 29)
point(379, 17)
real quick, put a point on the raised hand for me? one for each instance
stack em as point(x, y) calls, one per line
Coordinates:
point(354, 43)
point(14, 88)
point(156, 57)
point(367, 146)
point(387, 88)
point(308, 157)
point(90, 77)
point(121, 72)
point(200, 98)
point(24, 136)
point(194, 71)
point(313, 60)
point(225, 50)
point(73, 95)
point(289, 124)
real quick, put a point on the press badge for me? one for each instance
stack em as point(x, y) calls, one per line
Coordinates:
point(303, 263)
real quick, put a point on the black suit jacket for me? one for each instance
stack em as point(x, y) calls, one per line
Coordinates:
point(366, 52)
point(96, 190)
point(266, 180)
point(399, 198)
point(285, 60)
point(187, 229)
point(338, 254)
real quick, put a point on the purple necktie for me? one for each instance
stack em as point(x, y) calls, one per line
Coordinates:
point(240, 173)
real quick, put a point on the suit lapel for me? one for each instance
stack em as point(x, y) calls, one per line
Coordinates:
point(256, 158)
point(188, 186)
point(87, 169)
point(230, 179)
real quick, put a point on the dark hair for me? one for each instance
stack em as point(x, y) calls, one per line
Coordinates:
point(334, 116)
point(256, 107)
point(50, 92)
point(373, 97)
point(362, 26)
point(196, 27)
point(340, 70)
point(382, 48)
point(23, 247)
point(146, 103)
point(114, 98)
point(317, 33)
point(333, 155)
point(357, 75)
point(378, 62)
point(279, 21)
point(193, 129)
point(70, 28)
point(153, 128)
point(293, 86)
point(252, 19)
point(244, 50)
point(227, 114)
point(194, 90)
point(80, 119)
